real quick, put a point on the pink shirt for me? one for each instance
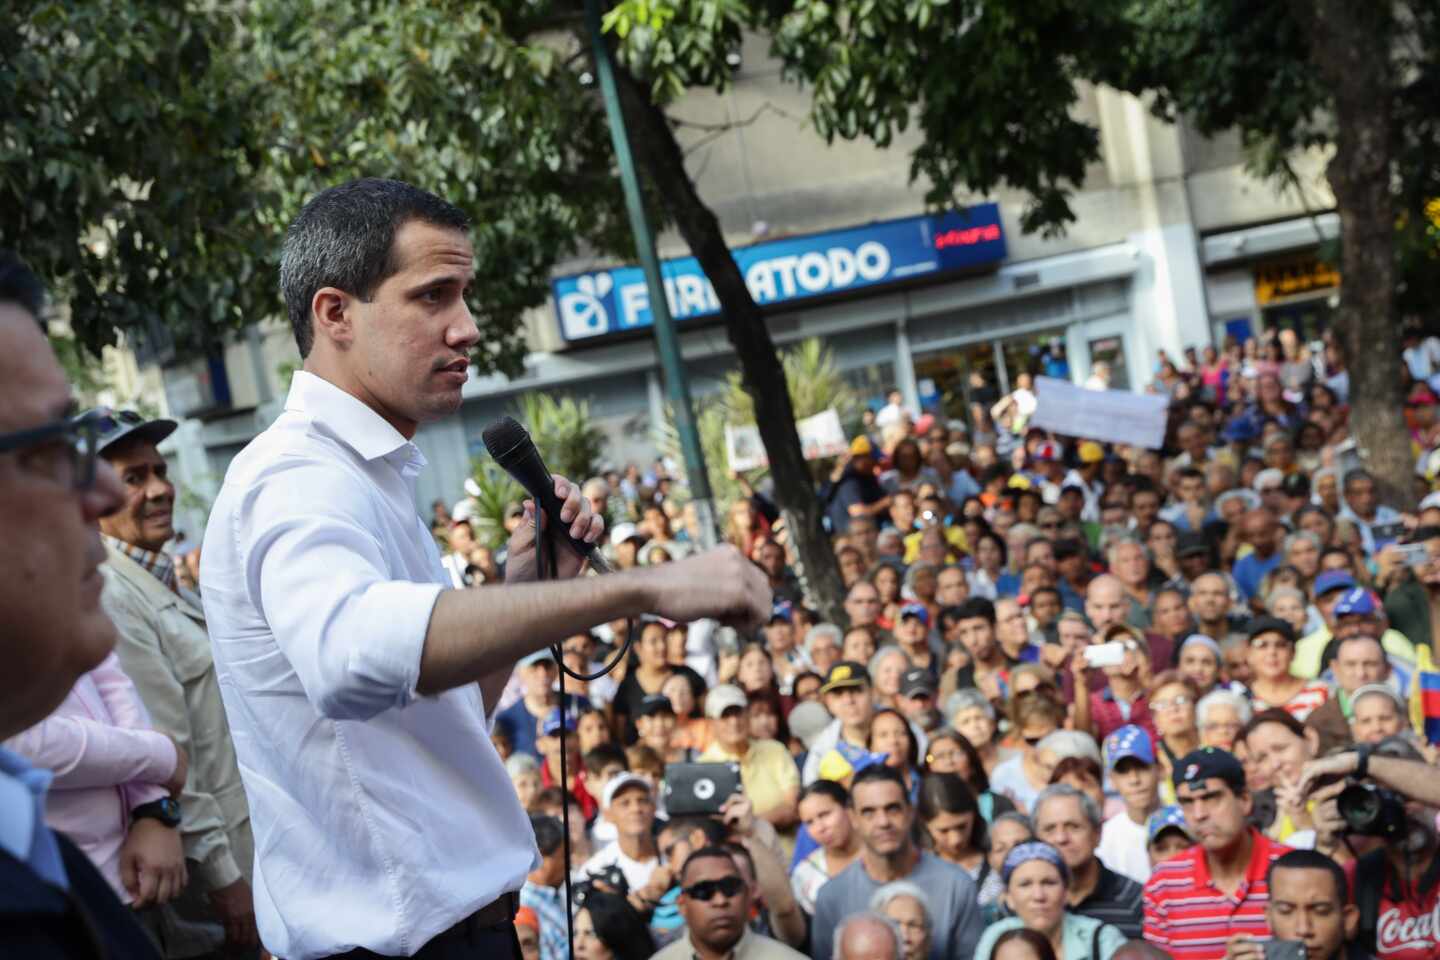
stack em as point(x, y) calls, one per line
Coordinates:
point(106, 760)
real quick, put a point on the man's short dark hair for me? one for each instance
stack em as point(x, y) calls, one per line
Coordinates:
point(1355, 476)
point(713, 830)
point(713, 852)
point(1310, 860)
point(345, 238)
point(1040, 590)
point(19, 285)
point(877, 773)
point(549, 834)
point(977, 608)
point(602, 755)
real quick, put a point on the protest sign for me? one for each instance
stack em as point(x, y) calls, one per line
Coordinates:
point(1112, 416)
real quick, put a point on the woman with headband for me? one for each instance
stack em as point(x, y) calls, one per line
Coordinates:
point(1036, 880)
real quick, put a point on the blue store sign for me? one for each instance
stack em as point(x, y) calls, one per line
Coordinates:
point(604, 302)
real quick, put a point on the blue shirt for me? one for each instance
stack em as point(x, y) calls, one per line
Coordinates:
point(1249, 570)
point(23, 833)
point(521, 726)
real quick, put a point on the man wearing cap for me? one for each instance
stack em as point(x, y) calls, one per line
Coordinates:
point(1347, 609)
point(917, 699)
point(628, 802)
point(1166, 835)
point(520, 721)
point(913, 634)
point(1086, 476)
point(1217, 889)
point(767, 770)
point(165, 650)
point(549, 745)
point(847, 695)
point(856, 492)
point(785, 658)
point(1130, 759)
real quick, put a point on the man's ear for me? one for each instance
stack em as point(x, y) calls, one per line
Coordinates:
point(331, 315)
point(1350, 917)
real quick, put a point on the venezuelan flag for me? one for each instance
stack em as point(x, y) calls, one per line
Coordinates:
point(1425, 698)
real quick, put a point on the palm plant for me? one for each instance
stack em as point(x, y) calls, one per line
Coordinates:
point(564, 433)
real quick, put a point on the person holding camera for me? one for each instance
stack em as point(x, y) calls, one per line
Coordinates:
point(1309, 914)
point(1388, 802)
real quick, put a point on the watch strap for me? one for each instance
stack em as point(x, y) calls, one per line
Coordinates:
point(1362, 761)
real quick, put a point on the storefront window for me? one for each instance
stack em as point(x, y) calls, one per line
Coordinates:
point(960, 382)
point(871, 382)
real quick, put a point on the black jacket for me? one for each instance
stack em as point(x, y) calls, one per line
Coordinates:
point(42, 922)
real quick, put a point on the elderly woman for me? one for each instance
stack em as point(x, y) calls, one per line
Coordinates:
point(1375, 713)
point(1289, 604)
point(1036, 880)
point(973, 717)
point(822, 646)
point(887, 668)
point(1302, 551)
point(1220, 716)
point(909, 908)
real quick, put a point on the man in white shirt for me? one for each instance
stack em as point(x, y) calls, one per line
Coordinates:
point(628, 804)
point(360, 688)
point(1130, 760)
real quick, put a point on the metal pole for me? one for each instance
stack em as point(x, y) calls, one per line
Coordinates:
point(673, 370)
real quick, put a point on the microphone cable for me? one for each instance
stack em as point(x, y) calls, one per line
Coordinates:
point(547, 568)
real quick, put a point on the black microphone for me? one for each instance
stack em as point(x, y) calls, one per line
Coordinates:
point(511, 447)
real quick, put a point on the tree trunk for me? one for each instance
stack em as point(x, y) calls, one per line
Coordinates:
point(1350, 45)
point(660, 156)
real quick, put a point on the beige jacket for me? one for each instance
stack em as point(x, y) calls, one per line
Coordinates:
point(165, 649)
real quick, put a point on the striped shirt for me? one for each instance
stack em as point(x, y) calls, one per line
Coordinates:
point(549, 906)
point(1191, 919)
point(1311, 697)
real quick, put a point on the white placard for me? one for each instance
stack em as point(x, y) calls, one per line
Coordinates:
point(820, 436)
point(1113, 416)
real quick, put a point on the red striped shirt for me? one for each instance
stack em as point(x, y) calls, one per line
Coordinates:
point(1191, 919)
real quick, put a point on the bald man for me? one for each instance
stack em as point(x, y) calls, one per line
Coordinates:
point(1140, 950)
point(868, 936)
point(1106, 603)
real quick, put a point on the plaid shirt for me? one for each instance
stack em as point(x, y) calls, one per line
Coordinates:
point(157, 564)
point(549, 905)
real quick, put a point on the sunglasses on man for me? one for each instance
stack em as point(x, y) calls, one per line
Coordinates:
point(705, 890)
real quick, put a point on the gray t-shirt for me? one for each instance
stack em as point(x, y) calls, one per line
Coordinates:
point(954, 913)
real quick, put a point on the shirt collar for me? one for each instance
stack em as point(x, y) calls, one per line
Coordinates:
point(1259, 863)
point(351, 421)
point(155, 562)
point(22, 818)
point(735, 951)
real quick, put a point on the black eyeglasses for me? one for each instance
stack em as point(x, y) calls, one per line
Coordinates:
point(75, 440)
point(705, 890)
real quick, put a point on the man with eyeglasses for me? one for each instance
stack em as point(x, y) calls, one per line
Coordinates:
point(715, 902)
point(54, 903)
point(165, 649)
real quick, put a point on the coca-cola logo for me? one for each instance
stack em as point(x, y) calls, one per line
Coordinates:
point(1399, 932)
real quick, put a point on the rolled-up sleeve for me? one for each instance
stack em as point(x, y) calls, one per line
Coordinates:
point(353, 633)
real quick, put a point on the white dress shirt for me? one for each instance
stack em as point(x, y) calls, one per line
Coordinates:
point(381, 818)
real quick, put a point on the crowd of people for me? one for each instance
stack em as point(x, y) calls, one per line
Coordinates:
point(1086, 701)
point(1076, 707)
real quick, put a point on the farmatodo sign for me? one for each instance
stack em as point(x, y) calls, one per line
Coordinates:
point(605, 302)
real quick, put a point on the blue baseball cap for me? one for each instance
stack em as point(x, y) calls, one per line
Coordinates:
point(1126, 743)
point(916, 610)
point(782, 611)
point(1333, 580)
point(551, 725)
point(1239, 430)
point(1167, 818)
point(1356, 602)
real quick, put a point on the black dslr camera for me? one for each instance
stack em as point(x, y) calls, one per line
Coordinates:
point(1372, 811)
point(609, 880)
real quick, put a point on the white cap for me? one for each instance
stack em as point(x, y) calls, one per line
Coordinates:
point(463, 510)
point(722, 698)
point(619, 782)
point(807, 721)
point(623, 532)
point(1271, 477)
point(1431, 500)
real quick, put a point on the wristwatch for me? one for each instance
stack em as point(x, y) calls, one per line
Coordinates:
point(166, 810)
point(1362, 761)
